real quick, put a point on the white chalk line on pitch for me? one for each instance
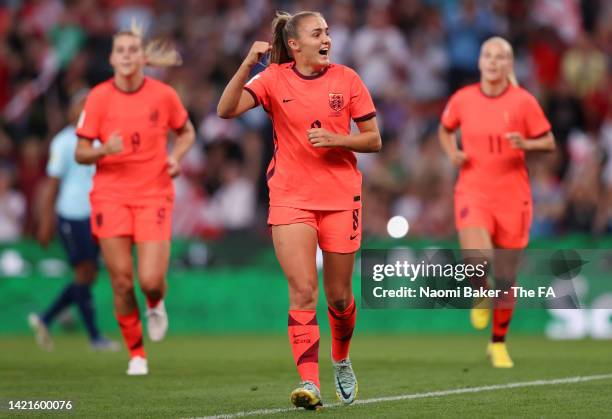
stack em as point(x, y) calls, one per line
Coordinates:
point(440, 393)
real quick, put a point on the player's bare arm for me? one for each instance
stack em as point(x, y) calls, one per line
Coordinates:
point(545, 142)
point(235, 100)
point(185, 138)
point(86, 153)
point(448, 142)
point(367, 141)
point(46, 226)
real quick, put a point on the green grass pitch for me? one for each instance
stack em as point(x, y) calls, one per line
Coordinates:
point(211, 375)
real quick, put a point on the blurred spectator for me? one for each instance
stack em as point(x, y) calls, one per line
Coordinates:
point(564, 15)
point(582, 182)
point(545, 50)
point(466, 29)
point(380, 53)
point(428, 62)
point(410, 53)
point(548, 196)
point(603, 222)
point(31, 171)
point(584, 67)
point(12, 206)
point(340, 29)
point(232, 206)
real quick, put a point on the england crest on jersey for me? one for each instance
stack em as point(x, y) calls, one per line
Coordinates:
point(336, 101)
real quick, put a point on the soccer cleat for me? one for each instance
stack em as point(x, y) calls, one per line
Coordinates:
point(41, 333)
point(345, 380)
point(480, 317)
point(480, 314)
point(103, 344)
point(138, 366)
point(157, 322)
point(307, 395)
point(498, 354)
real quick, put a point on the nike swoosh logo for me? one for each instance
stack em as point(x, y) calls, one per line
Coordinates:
point(287, 100)
point(353, 237)
point(346, 396)
point(303, 334)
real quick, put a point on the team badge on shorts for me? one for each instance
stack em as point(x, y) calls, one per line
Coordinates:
point(161, 216)
point(99, 219)
point(336, 101)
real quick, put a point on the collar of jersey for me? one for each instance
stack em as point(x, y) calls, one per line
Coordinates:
point(503, 92)
point(144, 80)
point(316, 76)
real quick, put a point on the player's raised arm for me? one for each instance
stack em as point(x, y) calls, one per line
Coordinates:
point(235, 100)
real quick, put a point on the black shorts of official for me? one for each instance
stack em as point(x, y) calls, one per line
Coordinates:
point(77, 240)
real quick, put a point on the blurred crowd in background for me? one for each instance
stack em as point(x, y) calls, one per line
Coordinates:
point(412, 54)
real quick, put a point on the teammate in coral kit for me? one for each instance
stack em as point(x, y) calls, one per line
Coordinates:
point(133, 195)
point(499, 121)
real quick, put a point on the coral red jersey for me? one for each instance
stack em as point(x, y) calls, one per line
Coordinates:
point(300, 175)
point(142, 118)
point(494, 168)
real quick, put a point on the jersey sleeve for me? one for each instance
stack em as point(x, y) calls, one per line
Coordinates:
point(177, 112)
point(89, 122)
point(58, 158)
point(260, 87)
point(536, 123)
point(451, 118)
point(361, 106)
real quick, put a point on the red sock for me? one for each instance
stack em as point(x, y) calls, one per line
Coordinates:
point(501, 321)
point(304, 338)
point(153, 302)
point(131, 329)
point(502, 311)
point(342, 324)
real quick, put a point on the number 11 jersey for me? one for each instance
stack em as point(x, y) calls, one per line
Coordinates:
point(493, 167)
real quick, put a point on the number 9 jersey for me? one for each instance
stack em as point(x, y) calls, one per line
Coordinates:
point(142, 118)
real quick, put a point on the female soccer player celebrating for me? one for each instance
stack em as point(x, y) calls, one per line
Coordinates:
point(132, 195)
point(315, 187)
point(499, 121)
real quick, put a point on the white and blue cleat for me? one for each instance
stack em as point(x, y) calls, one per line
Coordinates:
point(345, 380)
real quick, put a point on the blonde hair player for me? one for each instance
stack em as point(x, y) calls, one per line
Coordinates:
point(315, 187)
point(499, 123)
point(133, 195)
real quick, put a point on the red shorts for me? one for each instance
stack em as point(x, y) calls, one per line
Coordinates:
point(507, 224)
point(337, 231)
point(141, 222)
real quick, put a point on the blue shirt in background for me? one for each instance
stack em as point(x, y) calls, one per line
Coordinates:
point(75, 179)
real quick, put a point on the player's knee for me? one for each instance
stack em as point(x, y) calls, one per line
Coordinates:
point(123, 287)
point(154, 290)
point(339, 303)
point(154, 294)
point(304, 296)
point(85, 273)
